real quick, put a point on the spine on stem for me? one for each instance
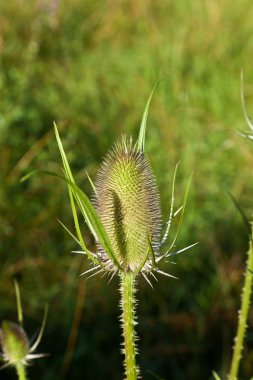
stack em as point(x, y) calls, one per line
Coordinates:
point(128, 322)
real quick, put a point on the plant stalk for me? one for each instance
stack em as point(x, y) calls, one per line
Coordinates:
point(21, 371)
point(243, 314)
point(128, 322)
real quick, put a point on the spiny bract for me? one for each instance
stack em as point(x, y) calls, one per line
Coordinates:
point(127, 201)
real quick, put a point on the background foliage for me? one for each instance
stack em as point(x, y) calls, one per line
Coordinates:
point(90, 66)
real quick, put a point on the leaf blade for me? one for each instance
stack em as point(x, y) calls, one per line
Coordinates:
point(88, 211)
point(142, 132)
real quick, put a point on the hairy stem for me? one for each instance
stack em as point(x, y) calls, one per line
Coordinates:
point(243, 314)
point(128, 321)
point(21, 371)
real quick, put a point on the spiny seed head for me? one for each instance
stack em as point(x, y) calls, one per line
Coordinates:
point(127, 202)
point(14, 342)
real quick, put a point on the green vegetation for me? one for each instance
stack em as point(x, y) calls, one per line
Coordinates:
point(90, 67)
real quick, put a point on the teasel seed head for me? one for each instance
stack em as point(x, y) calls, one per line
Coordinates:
point(14, 342)
point(128, 205)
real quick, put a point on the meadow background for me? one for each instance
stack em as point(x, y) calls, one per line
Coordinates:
point(90, 66)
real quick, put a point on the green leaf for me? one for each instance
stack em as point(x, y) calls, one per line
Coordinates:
point(74, 213)
point(141, 139)
point(242, 213)
point(143, 262)
point(88, 211)
point(70, 177)
point(91, 182)
point(36, 343)
point(82, 245)
point(152, 253)
point(78, 230)
point(171, 206)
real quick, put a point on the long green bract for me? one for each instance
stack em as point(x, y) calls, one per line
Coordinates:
point(181, 215)
point(77, 226)
point(19, 305)
point(141, 139)
point(86, 207)
point(81, 243)
point(171, 206)
point(69, 176)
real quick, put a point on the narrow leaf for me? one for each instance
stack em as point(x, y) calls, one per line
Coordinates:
point(91, 182)
point(152, 253)
point(242, 213)
point(143, 261)
point(78, 192)
point(36, 343)
point(90, 214)
point(19, 305)
point(82, 245)
point(70, 177)
point(78, 230)
point(88, 211)
point(171, 207)
point(141, 138)
point(182, 214)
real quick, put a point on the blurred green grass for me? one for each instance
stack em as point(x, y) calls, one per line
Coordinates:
point(90, 66)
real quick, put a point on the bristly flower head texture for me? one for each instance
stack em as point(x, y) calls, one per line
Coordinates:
point(127, 203)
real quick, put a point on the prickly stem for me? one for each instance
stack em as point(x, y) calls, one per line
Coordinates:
point(20, 368)
point(128, 322)
point(243, 314)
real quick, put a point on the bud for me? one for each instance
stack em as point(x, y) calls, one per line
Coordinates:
point(127, 202)
point(14, 343)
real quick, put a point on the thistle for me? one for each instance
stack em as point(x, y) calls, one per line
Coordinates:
point(125, 220)
point(16, 349)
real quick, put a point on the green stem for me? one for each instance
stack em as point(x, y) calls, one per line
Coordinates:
point(21, 371)
point(128, 320)
point(243, 313)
